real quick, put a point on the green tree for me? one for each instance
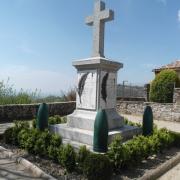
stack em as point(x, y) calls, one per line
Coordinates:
point(162, 86)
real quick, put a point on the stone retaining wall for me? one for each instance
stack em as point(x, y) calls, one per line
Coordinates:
point(167, 112)
point(29, 111)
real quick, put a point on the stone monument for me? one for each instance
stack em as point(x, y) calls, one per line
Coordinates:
point(96, 89)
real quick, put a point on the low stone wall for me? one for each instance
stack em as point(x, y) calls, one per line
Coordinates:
point(28, 111)
point(166, 112)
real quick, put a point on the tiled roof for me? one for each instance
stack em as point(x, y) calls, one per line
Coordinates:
point(173, 65)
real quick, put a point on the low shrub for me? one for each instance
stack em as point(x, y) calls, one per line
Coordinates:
point(97, 166)
point(8, 137)
point(42, 142)
point(118, 153)
point(83, 153)
point(30, 142)
point(52, 120)
point(11, 134)
point(55, 120)
point(55, 143)
point(139, 148)
point(130, 123)
point(176, 137)
point(67, 157)
point(22, 138)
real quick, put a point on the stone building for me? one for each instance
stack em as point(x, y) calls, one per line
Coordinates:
point(174, 66)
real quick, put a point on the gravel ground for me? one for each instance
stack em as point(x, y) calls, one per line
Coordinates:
point(59, 172)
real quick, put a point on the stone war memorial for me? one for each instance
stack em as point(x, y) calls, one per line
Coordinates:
point(96, 90)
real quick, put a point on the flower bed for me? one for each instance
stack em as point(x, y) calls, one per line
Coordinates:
point(93, 166)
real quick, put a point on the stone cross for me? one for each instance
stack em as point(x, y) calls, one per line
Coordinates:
point(98, 21)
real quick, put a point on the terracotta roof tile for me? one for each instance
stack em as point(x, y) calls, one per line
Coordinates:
point(173, 65)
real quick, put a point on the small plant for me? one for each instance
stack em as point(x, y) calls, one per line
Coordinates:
point(97, 167)
point(55, 120)
point(83, 153)
point(41, 143)
point(118, 153)
point(130, 123)
point(55, 143)
point(52, 120)
point(11, 134)
point(22, 138)
point(67, 157)
point(31, 140)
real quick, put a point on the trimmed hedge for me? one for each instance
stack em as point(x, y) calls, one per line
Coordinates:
point(139, 148)
point(97, 167)
point(93, 166)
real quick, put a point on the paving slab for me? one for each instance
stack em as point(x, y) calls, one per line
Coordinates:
point(10, 169)
point(173, 126)
point(4, 126)
point(173, 174)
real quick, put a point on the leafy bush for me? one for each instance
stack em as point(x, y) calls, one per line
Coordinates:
point(161, 89)
point(41, 143)
point(176, 137)
point(139, 148)
point(11, 134)
point(31, 140)
point(22, 138)
point(55, 143)
point(130, 123)
point(67, 157)
point(52, 120)
point(8, 137)
point(118, 153)
point(97, 166)
point(83, 153)
point(55, 120)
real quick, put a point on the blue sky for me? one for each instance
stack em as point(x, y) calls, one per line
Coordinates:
point(39, 39)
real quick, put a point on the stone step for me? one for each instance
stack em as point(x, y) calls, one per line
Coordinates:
point(74, 134)
point(86, 136)
point(76, 144)
point(84, 119)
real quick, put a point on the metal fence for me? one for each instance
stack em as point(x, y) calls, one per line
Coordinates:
point(131, 91)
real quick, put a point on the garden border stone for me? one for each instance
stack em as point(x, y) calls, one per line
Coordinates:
point(36, 171)
point(162, 169)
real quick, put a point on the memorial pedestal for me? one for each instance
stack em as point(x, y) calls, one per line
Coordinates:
point(96, 89)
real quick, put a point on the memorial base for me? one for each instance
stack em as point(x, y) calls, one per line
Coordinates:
point(78, 137)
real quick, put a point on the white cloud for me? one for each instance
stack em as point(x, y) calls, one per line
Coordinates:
point(29, 79)
point(178, 15)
